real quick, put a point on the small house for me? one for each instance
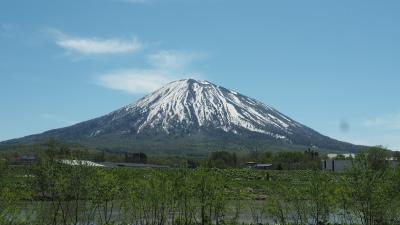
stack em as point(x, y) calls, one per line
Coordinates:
point(335, 165)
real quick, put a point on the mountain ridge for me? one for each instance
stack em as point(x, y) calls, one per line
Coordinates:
point(186, 109)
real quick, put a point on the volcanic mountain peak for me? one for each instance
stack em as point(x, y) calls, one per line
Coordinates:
point(195, 112)
point(201, 104)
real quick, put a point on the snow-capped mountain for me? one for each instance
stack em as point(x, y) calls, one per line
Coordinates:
point(192, 109)
point(187, 105)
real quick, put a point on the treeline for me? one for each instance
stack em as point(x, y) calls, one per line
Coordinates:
point(56, 194)
point(308, 159)
point(60, 150)
point(281, 160)
point(219, 159)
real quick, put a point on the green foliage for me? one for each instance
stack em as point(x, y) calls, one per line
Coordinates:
point(222, 160)
point(292, 160)
point(139, 157)
point(366, 194)
point(374, 158)
point(12, 191)
point(371, 189)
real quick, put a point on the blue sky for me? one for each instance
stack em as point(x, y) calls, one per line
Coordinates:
point(331, 65)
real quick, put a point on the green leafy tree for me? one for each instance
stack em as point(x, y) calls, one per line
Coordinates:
point(370, 185)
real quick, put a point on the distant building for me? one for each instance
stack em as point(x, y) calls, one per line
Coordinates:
point(22, 160)
point(341, 165)
point(335, 165)
point(258, 166)
point(345, 155)
point(263, 166)
point(27, 158)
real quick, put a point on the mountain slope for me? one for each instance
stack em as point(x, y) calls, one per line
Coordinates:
point(195, 112)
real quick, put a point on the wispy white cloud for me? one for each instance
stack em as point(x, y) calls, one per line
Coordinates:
point(389, 121)
point(134, 81)
point(165, 66)
point(172, 60)
point(95, 45)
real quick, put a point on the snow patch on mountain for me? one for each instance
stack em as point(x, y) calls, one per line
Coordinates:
point(200, 104)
